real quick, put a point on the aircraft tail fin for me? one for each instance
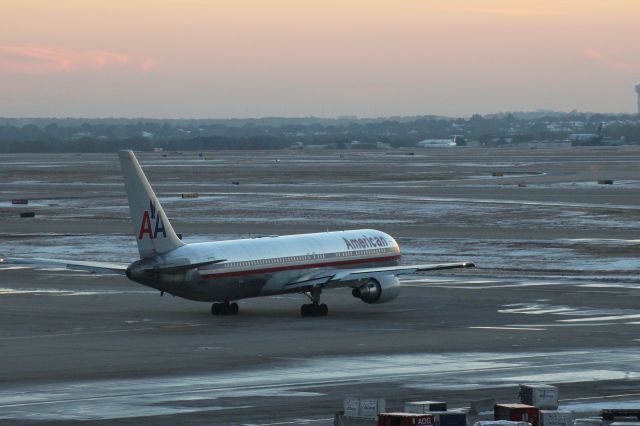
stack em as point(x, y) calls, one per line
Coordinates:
point(152, 229)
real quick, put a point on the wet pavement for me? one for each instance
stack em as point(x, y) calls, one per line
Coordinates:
point(554, 299)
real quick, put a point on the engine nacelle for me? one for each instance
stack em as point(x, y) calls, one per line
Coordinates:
point(378, 290)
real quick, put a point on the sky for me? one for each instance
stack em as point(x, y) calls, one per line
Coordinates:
point(328, 58)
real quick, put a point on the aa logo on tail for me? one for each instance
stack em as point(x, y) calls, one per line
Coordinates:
point(145, 227)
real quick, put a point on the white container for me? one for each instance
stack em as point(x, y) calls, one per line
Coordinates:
point(482, 406)
point(351, 407)
point(587, 422)
point(555, 418)
point(541, 396)
point(370, 408)
point(501, 423)
point(424, 406)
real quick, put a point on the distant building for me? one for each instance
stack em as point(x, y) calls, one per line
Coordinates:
point(459, 140)
point(436, 143)
point(548, 144)
point(584, 139)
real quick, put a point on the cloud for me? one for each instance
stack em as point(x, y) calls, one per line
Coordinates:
point(147, 64)
point(610, 60)
point(40, 60)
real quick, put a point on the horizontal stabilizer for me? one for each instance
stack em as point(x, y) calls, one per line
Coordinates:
point(94, 267)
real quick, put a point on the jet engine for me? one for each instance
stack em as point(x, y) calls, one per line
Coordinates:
point(378, 290)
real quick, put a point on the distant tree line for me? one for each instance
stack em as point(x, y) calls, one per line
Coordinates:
point(112, 134)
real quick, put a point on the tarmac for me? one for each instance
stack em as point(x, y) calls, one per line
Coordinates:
point(554, 298)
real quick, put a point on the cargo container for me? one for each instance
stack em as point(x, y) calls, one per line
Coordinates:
point(405, 419)
point(517, 413)
point(555, 418)
point(541, 396)
point(424, 406)
point(19, 201)
point(588, 422)
point(500, 423)
point(612, 413)
point(449, 418)
point(370, 408)
point(190, 195)
point(351, 407)
point(481, 406)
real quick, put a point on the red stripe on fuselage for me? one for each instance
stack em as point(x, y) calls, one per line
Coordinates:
point(306, 266)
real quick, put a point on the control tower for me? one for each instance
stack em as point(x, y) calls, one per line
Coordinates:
point(638, 93)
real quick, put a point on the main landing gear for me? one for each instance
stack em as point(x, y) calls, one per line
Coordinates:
point(225, 308)
point(315, 308)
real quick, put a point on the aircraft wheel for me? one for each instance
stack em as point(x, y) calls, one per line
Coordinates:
point(216, 309)
point(313, 310)
point(233, 309)
point(324, 310)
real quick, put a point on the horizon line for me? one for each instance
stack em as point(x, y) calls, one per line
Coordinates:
point(294, 117)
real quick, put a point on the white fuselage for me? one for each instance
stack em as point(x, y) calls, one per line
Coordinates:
point(263, 266)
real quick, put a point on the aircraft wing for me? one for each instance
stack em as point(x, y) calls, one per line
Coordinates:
point(93, 267)
point(358, 274)
point(341, 277)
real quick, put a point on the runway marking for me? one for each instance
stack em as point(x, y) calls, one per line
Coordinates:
point(447, 281)
point(464, 285)
point(59, 292)
point(510, 328)
point(135, 403)
point(83, 333)
point(293, 422)
point(585, 314)
point(304, 384)
point(607, 318)
point(611, 285)
point(600, 324)
point(288, 358)
point(587, 398)
point(211, 348)
point(535, 310)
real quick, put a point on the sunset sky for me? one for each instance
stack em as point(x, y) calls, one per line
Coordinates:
point(370, 58)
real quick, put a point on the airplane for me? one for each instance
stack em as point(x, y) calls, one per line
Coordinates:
point(222, 272)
